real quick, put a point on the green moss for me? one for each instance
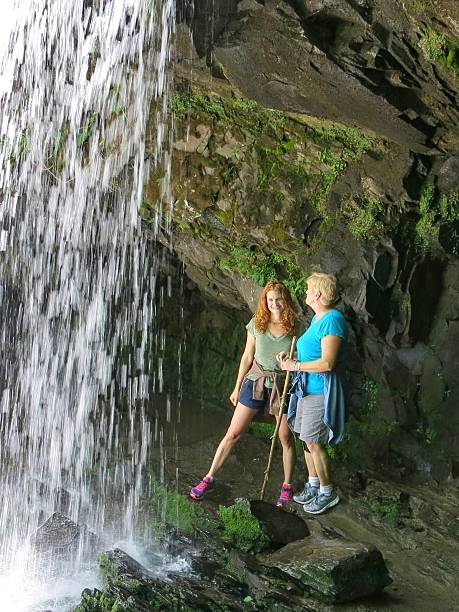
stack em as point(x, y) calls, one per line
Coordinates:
point(243, 112)
point(263, 268)
point(241, 527)
point(437, 211)
point(386, 509)
point(354, 142)
point(364, 214)
point(441, 48)
point(295, 161)
point(426, 227)
point(174, 510)
point(449, 208)
point(235, 572)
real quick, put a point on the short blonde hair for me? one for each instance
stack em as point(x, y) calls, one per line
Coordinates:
point(327, 284)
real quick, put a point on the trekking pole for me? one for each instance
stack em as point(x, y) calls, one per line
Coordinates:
point(276, 430)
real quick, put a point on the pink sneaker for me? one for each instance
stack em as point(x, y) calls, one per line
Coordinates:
point(206, 484)
point(286, 495)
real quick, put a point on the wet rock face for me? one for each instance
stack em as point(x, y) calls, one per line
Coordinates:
point(335, 569)
point(262, 193)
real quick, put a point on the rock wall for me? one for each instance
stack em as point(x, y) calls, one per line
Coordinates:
point(323, 135)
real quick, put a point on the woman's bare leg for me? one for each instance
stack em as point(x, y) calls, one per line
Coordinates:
point(321, 462)
point(288, 449)
point(240, 422)
point(310, 463)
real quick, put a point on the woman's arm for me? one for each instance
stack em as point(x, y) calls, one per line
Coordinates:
point(244, 367)
point(329, 354)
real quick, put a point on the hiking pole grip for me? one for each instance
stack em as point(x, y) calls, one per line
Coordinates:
point(276, 430)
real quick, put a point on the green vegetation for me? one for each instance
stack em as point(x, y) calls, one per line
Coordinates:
point(371, 389)
point(428, 433)
point(61, 138)
point(87, 129)
point(342, 146)
point(426, 226)
point(437, 211)
point(97, 601)
point(386, 509)
point(441, 48)
point(241, 527)
point(264, 431)
point(329, 133)
point(364, 214)
point(296, 161)
point(110, 575)
point(174, 510)
point(21, 146)
point(263, 268)
point(245, 113)
point(236, 573)
point(102, 601)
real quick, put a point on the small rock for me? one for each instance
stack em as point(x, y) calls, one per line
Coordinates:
point(281, 527)
point(336, 569)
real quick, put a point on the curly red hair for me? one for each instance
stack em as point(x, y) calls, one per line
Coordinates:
point(263, 315)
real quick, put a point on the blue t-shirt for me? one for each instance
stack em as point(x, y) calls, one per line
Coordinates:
point(309, 348)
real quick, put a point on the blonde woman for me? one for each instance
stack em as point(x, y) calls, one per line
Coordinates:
point(317, 409)
point(259, 383)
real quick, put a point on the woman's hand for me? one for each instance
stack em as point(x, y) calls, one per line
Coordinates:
point(234, 397)
point(281, 356)
point(288, 365)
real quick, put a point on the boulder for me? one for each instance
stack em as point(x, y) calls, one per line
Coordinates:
point(61, 535)
point(336, 570)
point(280, 526)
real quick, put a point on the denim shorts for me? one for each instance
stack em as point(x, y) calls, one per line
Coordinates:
point(246, 396)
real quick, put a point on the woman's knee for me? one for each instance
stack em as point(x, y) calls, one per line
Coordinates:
point(232, 436)
point(314, 447)
point(286, 438)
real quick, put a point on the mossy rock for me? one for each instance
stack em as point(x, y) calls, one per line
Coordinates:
point(336, 570)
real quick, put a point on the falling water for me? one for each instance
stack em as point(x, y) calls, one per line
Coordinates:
point(76, 281)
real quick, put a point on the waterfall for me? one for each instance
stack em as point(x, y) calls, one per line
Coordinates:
point(77, 282)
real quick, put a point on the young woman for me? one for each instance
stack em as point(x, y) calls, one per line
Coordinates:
point(320, 409)
point(260, 383)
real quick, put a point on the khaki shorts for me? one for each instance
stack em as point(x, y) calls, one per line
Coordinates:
point(309, 419)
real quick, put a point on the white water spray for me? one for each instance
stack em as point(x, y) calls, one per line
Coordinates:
point(76, 284)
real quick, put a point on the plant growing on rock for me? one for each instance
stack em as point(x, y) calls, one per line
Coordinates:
point(386, 509)
point(441, 48)
point(174, 510)
point(241, 527)
point(263, 268)
point(364, 214)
